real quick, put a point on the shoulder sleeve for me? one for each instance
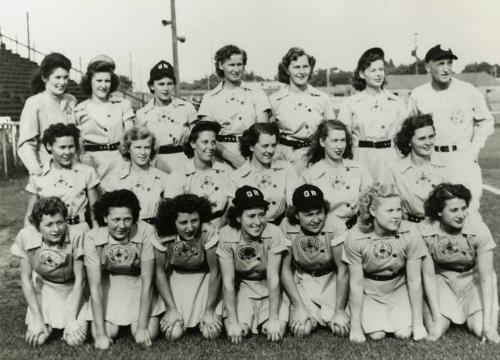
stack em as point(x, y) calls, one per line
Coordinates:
point(147, 252)
point(175, 182)
point(28, 123)
point(17, 248)
point(339, 231)
point(211, 237)
point(92, 178)
point(224, 249)
point(77, 241)
point(351, 253)
point(328, 108)
point(484, 240)
point(91, 257)
point(31, 187)
point(366, 179)
point(416, 247)
point(127, 111)
point(277, 244)
point(205, 106)
point(261, 101)
point(192, 117)
point(139, 116)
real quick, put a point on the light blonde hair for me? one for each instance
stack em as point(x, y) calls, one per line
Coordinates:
point(371, 197)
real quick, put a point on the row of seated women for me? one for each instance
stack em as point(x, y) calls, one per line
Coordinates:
point(252, 276)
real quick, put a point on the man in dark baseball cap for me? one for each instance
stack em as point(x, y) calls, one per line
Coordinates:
point(307, 197)
point(439, 52)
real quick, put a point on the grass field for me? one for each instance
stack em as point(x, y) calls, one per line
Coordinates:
point(457, 344)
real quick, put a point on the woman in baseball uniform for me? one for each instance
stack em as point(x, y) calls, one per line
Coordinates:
point(119, 260)
point(201, 174)
point(461, 247)
point(50, 105)
point(167, 117)
point(298, 108)
point(276, 179)
point(417, 173)
point(137, 174)
point(384, 254)
point(52, 276)
point(187, 270)
point(102, 119)
point(372, 115)
point(234, 104)
point(313, 274)
point(250, 252)
point(331, 169)
point(64, 177)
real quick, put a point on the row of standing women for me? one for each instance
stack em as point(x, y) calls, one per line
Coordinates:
point(262, 154)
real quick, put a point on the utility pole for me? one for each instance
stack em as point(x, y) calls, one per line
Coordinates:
point(28, 30)
point(174, 46)
point(414, 53)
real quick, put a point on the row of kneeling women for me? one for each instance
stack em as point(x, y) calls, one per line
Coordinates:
point(383, 276)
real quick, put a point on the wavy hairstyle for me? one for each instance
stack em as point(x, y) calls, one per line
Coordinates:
point(364, 63)
point(98, 67)
point(372, 197)
point(51, 205)
point(225, 53)
point(47, 67)
point(58, 130)
point(407, 131)
point(137, 132)
point(116, 199)
point(169, 209)
point(193, 136)
point(316, 152)
point(251, 136)
point(436, 201)
point(292, 55)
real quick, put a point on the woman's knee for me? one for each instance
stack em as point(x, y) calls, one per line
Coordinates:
point(404, 333)
point(475, 323)
point(175, 334)
point(377, 335)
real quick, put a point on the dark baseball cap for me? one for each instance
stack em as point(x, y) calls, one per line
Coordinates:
point(248, 197)
point(439, 52)
point(160, 70)
point(204, 125)
point(307, 197)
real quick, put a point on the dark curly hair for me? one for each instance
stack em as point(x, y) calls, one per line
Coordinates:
point(225, 53)
point(364, 63)
point(168, 210)
point(51, 205)
point(251, 136)
point(115, 199)
point(291, 213)
point(138, 132)
point(193, 136)
point(407, 131)
point(235, 212)
point(316, 152)
point(292, 55)
point(98, 67)
point(436, 201)
point(371, 197)
point(47, 67)
point(58, 130)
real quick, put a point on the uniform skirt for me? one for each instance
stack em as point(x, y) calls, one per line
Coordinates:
point(460, 294)
point(54, 302)
point(375, 160)
point(386, 305)
point(190, 292)
point(319, 295)
point(122, 300)
point(252, 304)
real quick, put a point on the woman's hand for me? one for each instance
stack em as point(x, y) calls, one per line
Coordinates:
point(357, 336)
point(75, 333)
point(273, 330)
point(102, 342)
point(210, 325)
point(340, 323)
point(235, 332)
point(419, 332)
point(36, 333)
point(143, 337)
point(168, 321)
point(298, 319)
point(435, 330)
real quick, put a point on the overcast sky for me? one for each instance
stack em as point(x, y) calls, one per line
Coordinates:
point(336, 32)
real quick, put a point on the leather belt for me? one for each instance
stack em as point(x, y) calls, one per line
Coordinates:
point(101, 147)
point(352, 221)
point(294, 144)
point(227, 138)
point(384, 277)
point(446, 148)
point(73, 220)
point(414, 218)
point(460, 268)
point(170, 149)
point(317, 273)
point(375, 144)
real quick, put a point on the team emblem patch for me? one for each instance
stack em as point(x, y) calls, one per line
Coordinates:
point(51, 258)
point(337, 182)
point(263, 181)
point(457, 116)
point(309, 245)
point(382, 249)
point(448, 246)
point(247, 252)
point(423, 178)
point(206, 183)
point(184, 249)
point(118, 254)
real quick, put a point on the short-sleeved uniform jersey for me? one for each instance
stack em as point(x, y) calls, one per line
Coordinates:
point(276, 183)
point(39, 112)
point(341, 187)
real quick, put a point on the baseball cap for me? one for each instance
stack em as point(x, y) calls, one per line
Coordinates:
point(204, 125)
point(160, 70)
point(248, 197)
point(307, 197)
point(439, 52)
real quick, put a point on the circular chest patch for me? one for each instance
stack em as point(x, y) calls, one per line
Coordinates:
point(247, 252)
point(206, 183)
point(448, 246)
point(382, 249)
point(423, 178)
point(263, 181)
point(309, 245)
point(118, 254)
point(184, 249)
point(337, 182)
point(51, 258)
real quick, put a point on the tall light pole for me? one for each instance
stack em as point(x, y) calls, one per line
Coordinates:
point(175, 38)
point(414, 53)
